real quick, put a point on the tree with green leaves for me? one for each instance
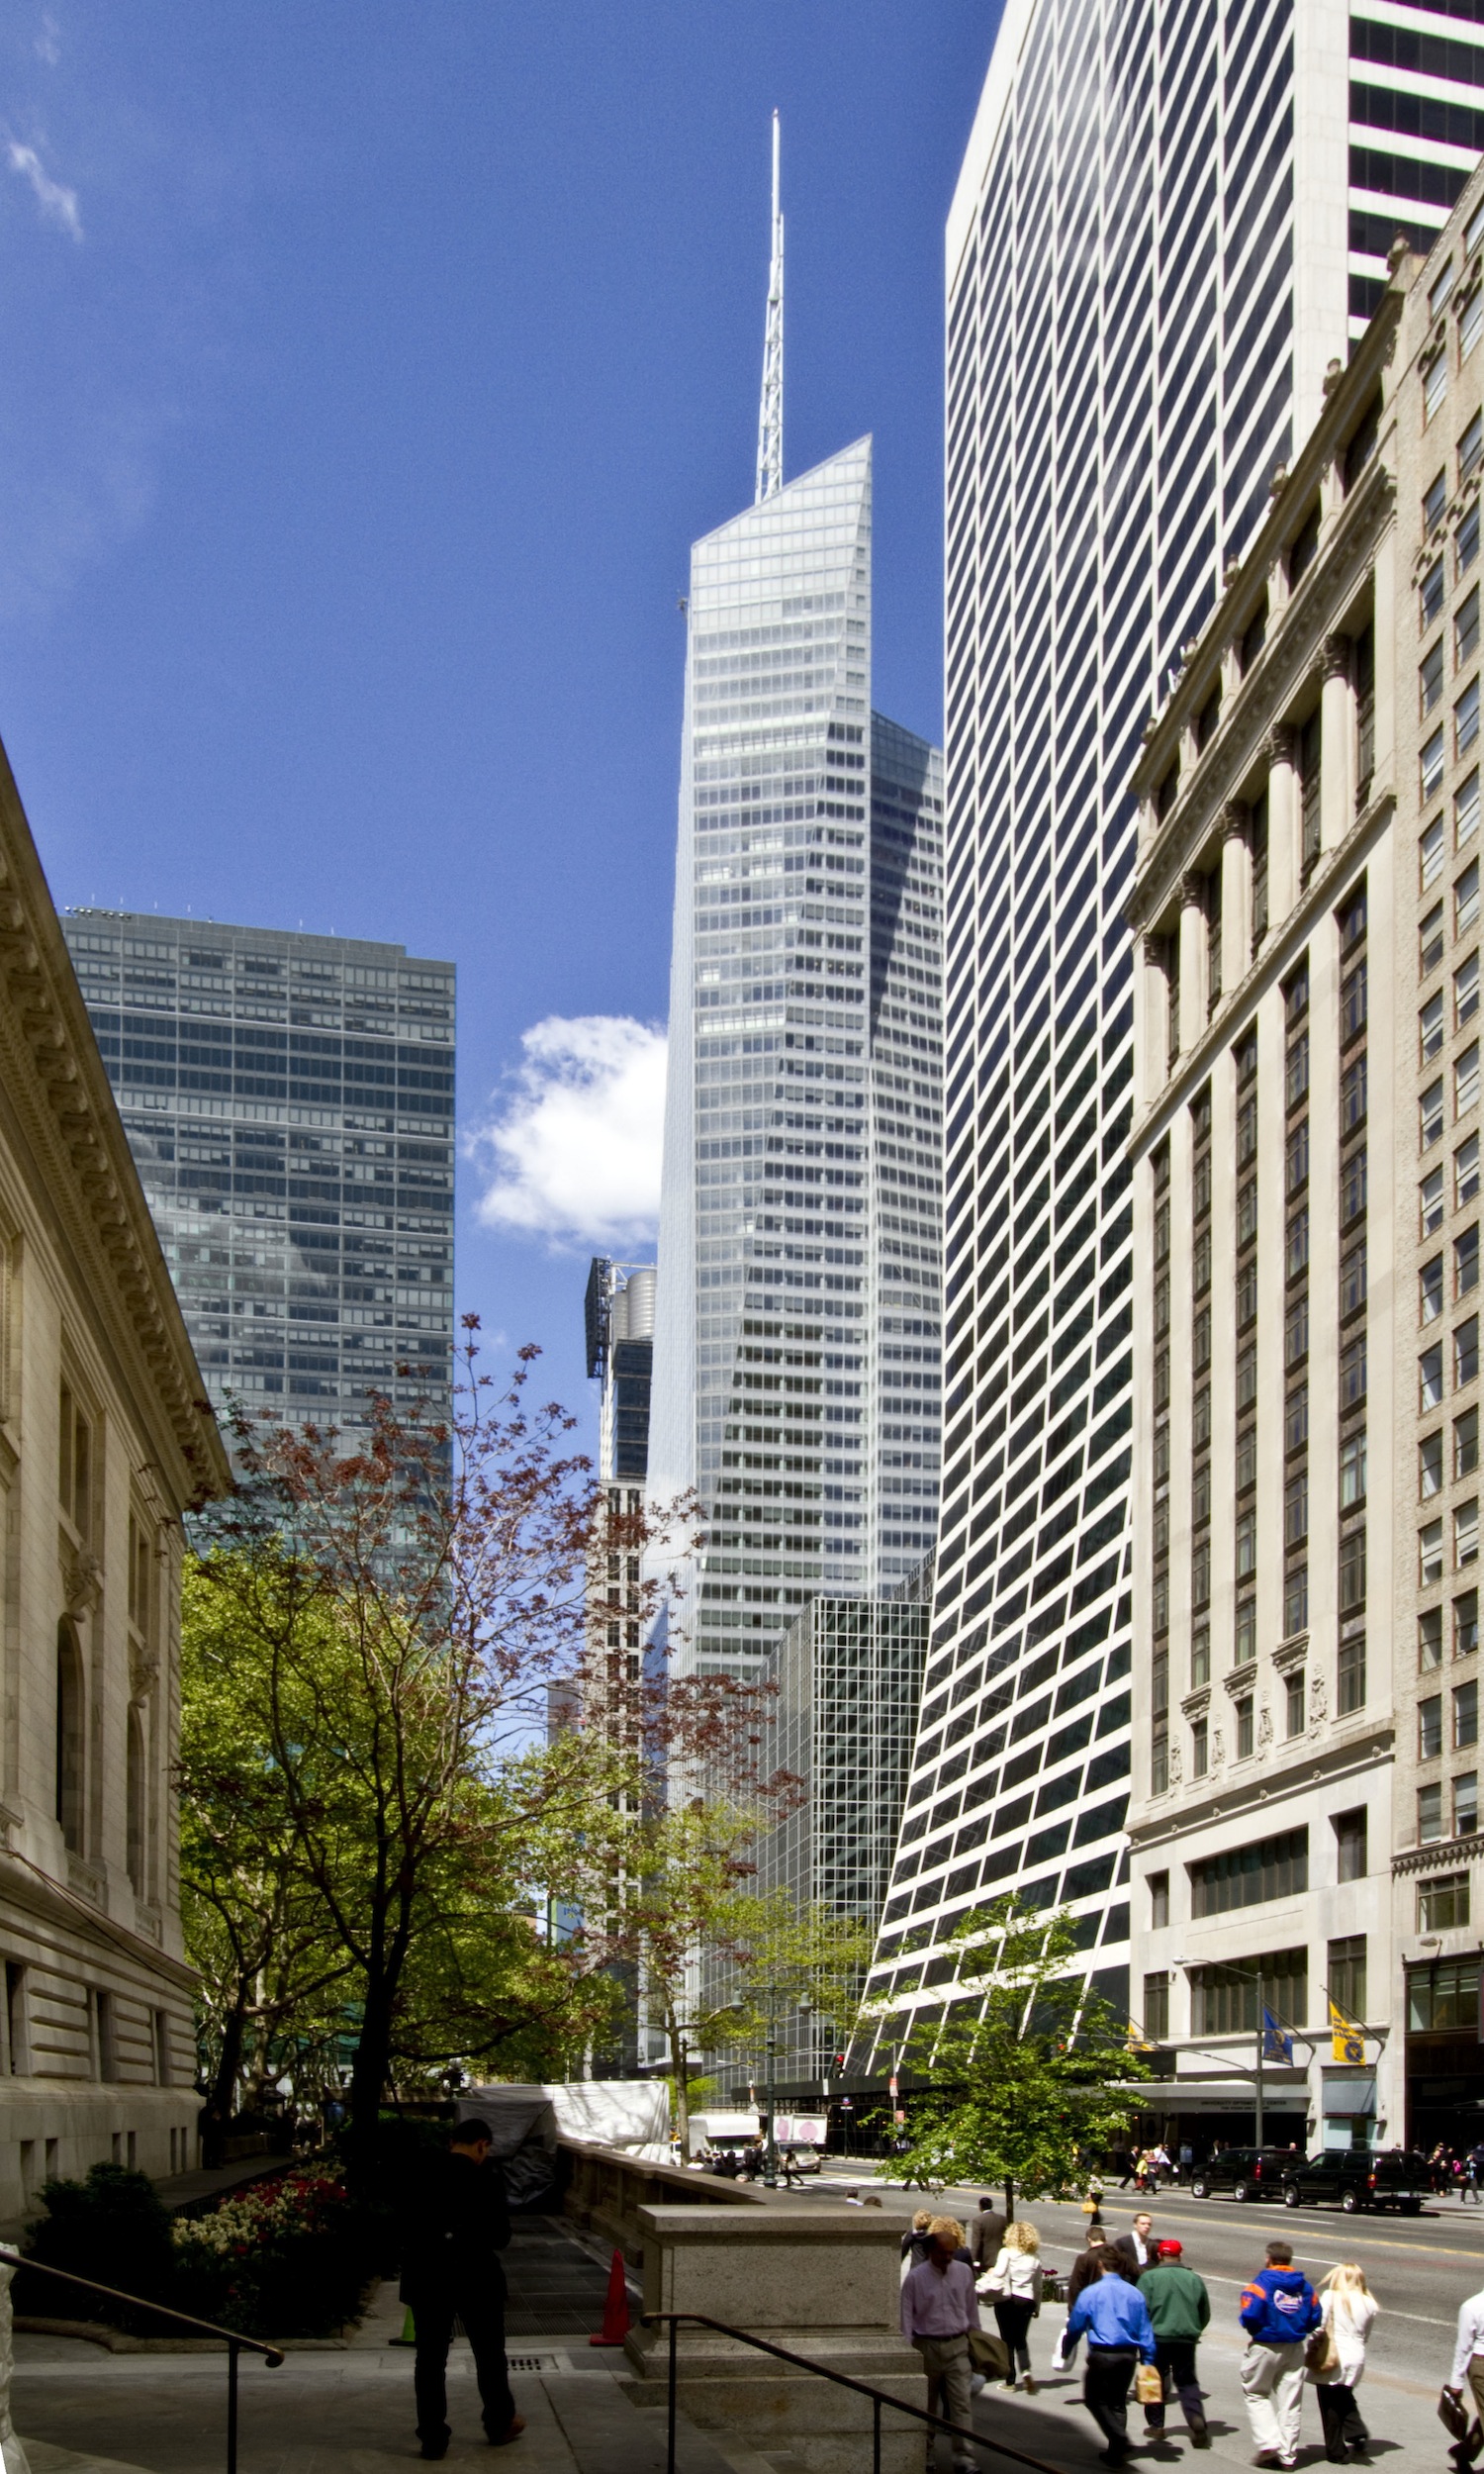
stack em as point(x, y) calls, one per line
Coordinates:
point(378, 1629)
point(1027, 2068)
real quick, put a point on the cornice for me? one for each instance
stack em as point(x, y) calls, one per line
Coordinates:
point(1159, 1827)
point(1238, 599)
point(30, 1887)
point(1295, 653)
point(56, 1084)
point(1438, 1851)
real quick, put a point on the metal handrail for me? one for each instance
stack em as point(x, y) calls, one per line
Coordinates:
point(234, 2343)
point(878, 2395)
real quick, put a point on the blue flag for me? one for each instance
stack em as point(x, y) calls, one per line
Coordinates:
point(1277, 2044)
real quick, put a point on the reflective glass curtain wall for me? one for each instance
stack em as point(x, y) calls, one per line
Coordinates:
point(289, 1103)
point(1169, 219)
point(797, 1330)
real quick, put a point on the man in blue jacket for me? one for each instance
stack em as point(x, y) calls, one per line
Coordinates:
point(1114, 2318)
point(1279, 2313)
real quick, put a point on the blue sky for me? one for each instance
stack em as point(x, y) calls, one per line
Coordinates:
point(369, 370)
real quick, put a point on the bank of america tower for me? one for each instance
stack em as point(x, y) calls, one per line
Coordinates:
point(797, 1330)
point(1172, 214)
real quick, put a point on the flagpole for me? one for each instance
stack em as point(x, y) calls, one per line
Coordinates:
point(1257, 2081)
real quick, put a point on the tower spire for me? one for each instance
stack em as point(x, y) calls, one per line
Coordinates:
point(771, 415)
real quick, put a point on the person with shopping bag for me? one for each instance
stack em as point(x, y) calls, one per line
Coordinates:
point(1013, 2285)
point(1280, 2313)
point(1111, 2313)
point(1179, 2309)
point(1336, 2357)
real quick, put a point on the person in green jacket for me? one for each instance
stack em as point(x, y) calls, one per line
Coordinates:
point(1179, 2309)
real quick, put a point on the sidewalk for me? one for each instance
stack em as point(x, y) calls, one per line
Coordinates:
point(80, 2410)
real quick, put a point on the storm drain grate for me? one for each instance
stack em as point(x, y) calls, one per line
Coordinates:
point(534, 2361)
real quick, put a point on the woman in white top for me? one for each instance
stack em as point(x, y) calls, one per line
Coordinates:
point(1013, 2285)
point(1350, 2310)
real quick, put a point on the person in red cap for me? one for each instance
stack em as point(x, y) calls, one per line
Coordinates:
point(1179, 2308)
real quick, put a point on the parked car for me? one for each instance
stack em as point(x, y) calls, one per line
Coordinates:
point(1358, 2177)
point(1247, 2172)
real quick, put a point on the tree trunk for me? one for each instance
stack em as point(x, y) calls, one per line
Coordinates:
point(1009, 2202)
point(370, 2069)
point(682, 2090)
point(216, 2113)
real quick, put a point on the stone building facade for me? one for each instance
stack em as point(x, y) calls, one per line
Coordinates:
point(105, 1440)
point(1305, 1149)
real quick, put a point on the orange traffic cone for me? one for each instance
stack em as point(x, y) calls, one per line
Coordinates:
point(615, 2307)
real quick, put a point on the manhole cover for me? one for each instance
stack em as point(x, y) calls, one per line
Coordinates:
point(534, 2361)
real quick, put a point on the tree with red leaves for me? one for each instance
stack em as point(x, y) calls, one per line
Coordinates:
point(427, 1800)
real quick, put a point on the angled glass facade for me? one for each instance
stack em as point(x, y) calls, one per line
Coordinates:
point(798, 1322)
point(1152, 258)
point(289, 1103)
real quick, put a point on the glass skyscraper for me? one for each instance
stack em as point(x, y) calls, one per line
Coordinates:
point(1172, 214)
point(798, 1322)
point(289, 1103)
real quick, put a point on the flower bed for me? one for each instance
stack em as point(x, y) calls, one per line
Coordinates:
point(283, 2259)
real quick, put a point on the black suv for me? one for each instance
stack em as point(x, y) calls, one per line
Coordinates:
point(1356, 2178)
point(1247, 2172)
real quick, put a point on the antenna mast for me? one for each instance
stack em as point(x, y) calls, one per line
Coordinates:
point(771, 416)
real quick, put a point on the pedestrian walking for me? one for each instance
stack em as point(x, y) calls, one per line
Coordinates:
point(917, 2244)
point(1339, 2359)
point(1087, 2264)
point(939, 2308)
point(1179, 2309)
point(1110, 2312)
point(1013, 2285)
point(459, 2225)
point(1469, 2367)
point(986, 2234)
point(1137, 2249)
point(1279, 2313)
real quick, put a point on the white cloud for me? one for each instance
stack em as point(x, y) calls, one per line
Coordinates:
point(58, 205)
point(575, 1146)
point(47, 45)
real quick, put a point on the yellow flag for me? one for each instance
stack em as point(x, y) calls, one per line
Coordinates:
point(1346, 2042)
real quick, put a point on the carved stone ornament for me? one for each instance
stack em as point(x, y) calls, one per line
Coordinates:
point(1335, 658)
point(1265, 1723)
point(1318, 1701)
point(1281, 746)
point(1192, 890)
point(1218, 1748)
point(82, 1583)
point(1153, 952)
point(1235, 821)
point(143, 1672)
point(1176, 1765)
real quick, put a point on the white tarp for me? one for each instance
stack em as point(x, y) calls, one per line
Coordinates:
point(631, 2114)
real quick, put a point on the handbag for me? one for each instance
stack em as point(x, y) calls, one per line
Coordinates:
point(1320, 2355)
point(989, 2353)
point(1149, 2384)
point(1453, 2414)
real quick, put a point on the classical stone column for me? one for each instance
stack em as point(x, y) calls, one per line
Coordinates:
point(1192, 960)
point(1337, 792)
point(1236, 897)
point(1282, 823)
point(1154, 1000)
point(16, 2461)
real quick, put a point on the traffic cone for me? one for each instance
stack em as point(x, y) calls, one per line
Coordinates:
point(408, 2334)
point(616, 2309)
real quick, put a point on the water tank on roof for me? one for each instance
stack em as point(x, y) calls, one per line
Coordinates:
point(638, 1306)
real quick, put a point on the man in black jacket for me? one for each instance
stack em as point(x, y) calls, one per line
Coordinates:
point(459, 2224)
